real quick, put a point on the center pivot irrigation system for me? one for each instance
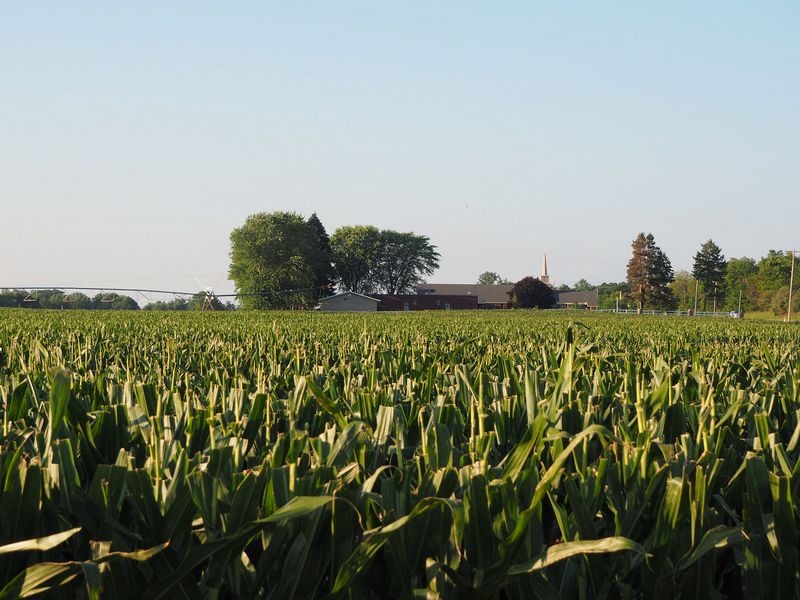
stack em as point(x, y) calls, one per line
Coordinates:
point(142, 293)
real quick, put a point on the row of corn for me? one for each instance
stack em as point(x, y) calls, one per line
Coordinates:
point(441, 455)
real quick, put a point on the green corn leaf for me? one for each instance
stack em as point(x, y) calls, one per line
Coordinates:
point(559, 552)
point(42, 543)
point(48, 576)
point(718, 538)
point(373, 541)
point(60, 392)
point(298, 507)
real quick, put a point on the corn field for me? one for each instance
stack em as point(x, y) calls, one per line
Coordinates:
point(431, 455)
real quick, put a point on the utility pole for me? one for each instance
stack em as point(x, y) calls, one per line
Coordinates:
point(740, 303)
point(696, 283)
point(715, 299)
point(791, 284)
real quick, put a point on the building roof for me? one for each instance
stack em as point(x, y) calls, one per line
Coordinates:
point(349, 294)
point(589, 297)
point(487, 294)
point(426, 302)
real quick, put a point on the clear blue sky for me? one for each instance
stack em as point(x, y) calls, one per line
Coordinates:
point(134, 138)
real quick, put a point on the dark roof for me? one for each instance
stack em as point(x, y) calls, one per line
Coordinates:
point(589, 297)
point(487, 294)
point(348, 294)
point(425, 302)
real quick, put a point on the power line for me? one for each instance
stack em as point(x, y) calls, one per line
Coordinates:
point(93, 289)
point(62, 288)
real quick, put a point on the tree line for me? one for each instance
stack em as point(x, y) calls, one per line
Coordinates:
point(59, 299)
point(283, 260)
point(713, 283)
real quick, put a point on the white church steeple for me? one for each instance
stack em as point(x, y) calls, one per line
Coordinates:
point(544, 277)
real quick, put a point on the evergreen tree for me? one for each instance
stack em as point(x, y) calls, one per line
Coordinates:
point(323, 269)
point(709, 270)
point(661, 275)
point(649, 274)
point(638, 280)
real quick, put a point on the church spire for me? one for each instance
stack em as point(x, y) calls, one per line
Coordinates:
point(544, 277)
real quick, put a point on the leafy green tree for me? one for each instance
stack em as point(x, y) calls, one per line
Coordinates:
point(683, 288)
point(530, 292)
point(356, 253)
point(774, 270)
point(491, 278)
point(405, 258)
point(709, 270)
point(368, 260)
point(178, 304)
point(741, 276)
point(103, 301)
point(780, 302)
point(274, 260)
point(649, 274)
point(77, 300)
point(609, 294)
point(323, 270)
point(488, 278)
point(583, 286)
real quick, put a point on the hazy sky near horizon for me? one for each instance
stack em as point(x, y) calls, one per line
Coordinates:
point(134, 137)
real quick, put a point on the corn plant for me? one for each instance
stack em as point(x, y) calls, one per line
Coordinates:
point(442, 455)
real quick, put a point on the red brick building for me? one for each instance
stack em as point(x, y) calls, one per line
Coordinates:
point(425, 302)
point(486, 296)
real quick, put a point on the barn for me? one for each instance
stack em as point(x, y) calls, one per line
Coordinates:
point(349, 302)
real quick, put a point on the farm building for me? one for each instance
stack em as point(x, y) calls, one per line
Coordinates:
point(426, 302)
point(349, 302)
point(586, 299)
point(486, 296)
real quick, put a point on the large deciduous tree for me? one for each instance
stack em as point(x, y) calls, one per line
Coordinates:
point(740, 280)
point(709, 270)
point(530, 292)
point(368, 260)
point(649, 274)
point(404, 259)
point(683, 287)
point(356, 251)
point(275, 259)
point(774, 270)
